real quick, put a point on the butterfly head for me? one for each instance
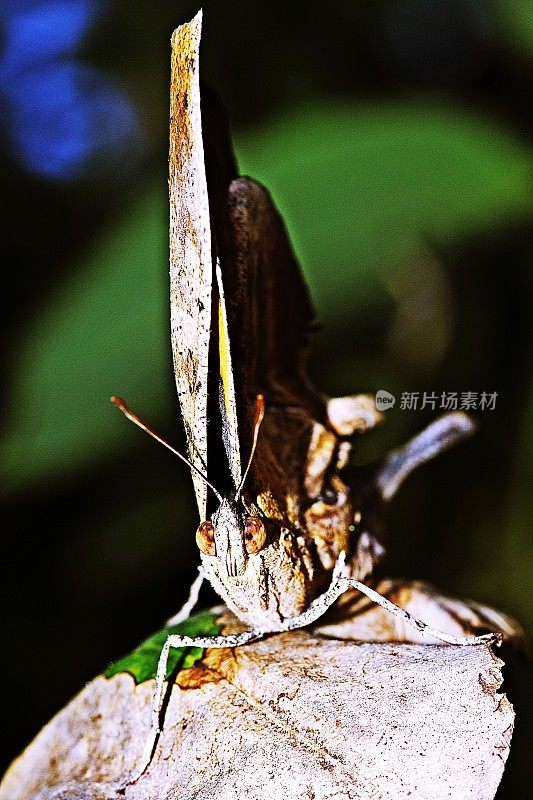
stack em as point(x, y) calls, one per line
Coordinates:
point(231, 537)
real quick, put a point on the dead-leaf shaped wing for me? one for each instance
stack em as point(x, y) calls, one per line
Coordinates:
point(247, 332)
point(190, 248)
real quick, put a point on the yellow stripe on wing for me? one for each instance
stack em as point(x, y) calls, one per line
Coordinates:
point(231, 440)
point(225, 358)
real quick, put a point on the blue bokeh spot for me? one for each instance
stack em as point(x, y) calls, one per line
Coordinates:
point(64, 117)
point(39, 31)
point(64, 120)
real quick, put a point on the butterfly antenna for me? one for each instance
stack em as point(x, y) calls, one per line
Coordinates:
point(259, 414)
point(126, 410)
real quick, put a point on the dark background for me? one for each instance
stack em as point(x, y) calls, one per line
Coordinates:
point(395, 138)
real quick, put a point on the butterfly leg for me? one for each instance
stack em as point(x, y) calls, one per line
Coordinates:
point(414, 622)
point(340, 584)
point(185, 611)
point(174, 640)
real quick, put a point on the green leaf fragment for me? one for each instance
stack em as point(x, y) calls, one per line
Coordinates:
point(141, 663)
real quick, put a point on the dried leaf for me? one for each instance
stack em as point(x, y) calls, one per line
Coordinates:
point(299, 715)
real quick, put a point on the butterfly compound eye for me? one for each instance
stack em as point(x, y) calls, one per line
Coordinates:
point(205, 538)
point(254, 535)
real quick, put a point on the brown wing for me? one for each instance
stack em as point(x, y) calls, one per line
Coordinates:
point(272, 311)
point(271, 316)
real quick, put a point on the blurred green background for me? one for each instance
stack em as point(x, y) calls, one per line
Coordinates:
point(395, 138)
